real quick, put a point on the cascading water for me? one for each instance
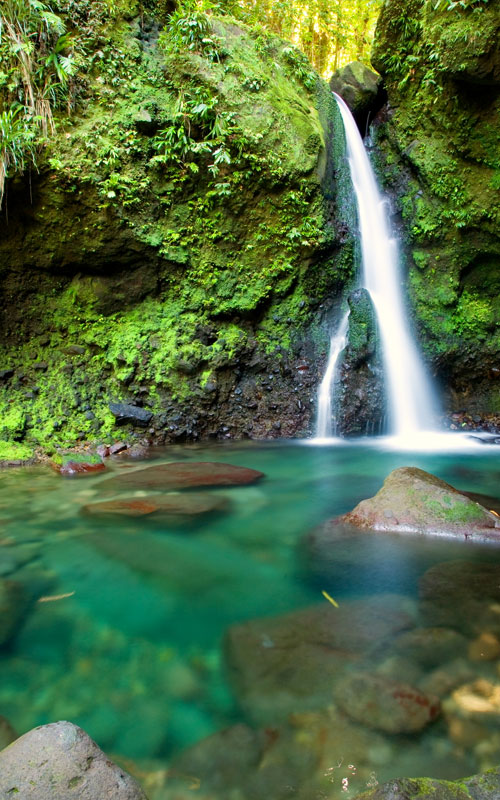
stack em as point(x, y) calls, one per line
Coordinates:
point(327, 386)
point(409, 393)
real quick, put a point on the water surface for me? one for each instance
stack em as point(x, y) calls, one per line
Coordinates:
point(127, 616)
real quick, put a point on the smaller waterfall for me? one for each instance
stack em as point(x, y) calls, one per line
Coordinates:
point(326, 389)
point(408, 390)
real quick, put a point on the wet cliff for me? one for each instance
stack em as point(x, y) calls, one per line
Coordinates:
point(437, 147)
point(178, 244)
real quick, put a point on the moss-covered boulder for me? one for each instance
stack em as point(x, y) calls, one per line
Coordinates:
point(438, 145)
point(174, 248)
point(412, 501)
point(478, 787)
point(361, 88)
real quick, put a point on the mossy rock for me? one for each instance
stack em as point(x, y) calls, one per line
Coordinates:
point(130, 255)
point(438, 153)
point(412, 501)
point(478, 787)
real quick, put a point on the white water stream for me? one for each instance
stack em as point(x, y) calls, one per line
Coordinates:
point(408, 390)
point(327, 387)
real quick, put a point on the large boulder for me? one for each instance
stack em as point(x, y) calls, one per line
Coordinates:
point(387, 705)
point(290, 663)
point(415, 502)
point(59, 762)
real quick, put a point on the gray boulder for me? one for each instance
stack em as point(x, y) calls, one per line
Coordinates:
point(60, 762)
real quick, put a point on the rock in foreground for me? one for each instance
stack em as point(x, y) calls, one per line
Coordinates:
point(416, 502)
point(183, 475)
point(478, 787)
point(58, 762)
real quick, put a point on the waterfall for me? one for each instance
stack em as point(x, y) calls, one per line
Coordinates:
point(408, 390)
point(327, 386)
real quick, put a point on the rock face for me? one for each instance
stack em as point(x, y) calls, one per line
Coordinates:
point(438, 149)
point(58, 762)
point(361, 405)
point(361, 88)
point(386, 705)
point(182, 475)
point(217, 335)
point(416, 502)
point(290, 663)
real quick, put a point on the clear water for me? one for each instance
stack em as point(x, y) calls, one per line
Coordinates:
point(133, 653)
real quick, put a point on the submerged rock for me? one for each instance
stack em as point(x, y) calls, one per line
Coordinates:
point(183, 475)
point(58, 761)
point(190, 504)
point(14, 603)
point(416, 502)
point(290, 663)
point(384, 704)
point(478, 702)
point(462, 595)
point(431, 647)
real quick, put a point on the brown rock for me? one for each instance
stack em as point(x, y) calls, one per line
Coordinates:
point(465, 732)
point(384, 704)
point(444, 679)
point(182, 475)
point(289, 663)
point(485, 648)
point(462, 595)
point(80, 468)
point(431, 646)
point(416, 502)
point(189, 504)
point(478, 701)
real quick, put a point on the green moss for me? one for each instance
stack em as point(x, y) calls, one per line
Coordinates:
point(457, 513)
point(13, 451)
